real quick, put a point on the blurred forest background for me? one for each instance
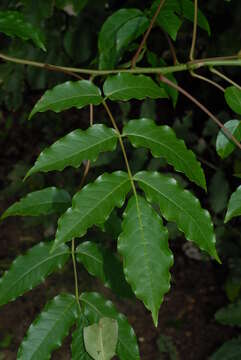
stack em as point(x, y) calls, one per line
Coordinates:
point(187, 327)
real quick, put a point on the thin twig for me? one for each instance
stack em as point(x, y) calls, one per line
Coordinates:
point(207, 80)
point(61, 70)
point(172, 49)
point(194, 34)
point(202, 107)
point(222, 76)
point(75, 275)
point(147, 33)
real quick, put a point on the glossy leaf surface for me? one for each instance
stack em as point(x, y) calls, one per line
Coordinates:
point(67, 95)
point(230, 315)
point(224, 145)
point(75, 147)
point(42, 202)
point(233, 98)
point(180, 206)
point(92, 205)
point(118, 31)
point(78, 347)
point(100, 262)
point(95, 307)
point(13, 23)
point(128, 86)
point(30, 270)
point(101, 339)
point(49, 329)
point(147, 258)
point(234, 205)
point(162, 141)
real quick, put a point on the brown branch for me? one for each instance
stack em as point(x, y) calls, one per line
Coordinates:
point(50, 67)
point(147, 33)
point(172, 49)
point(202, 107)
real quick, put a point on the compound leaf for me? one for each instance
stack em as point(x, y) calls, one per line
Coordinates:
point(13, 23)
point(180, 206)
point(30, 270)
point(234, 205)
point(78, 347)
point(96, 307)
point(42, 202)
point(101, 339)
point(230, 350)
point(75, 147)
point(233, 98)
point(118, 31)
point(162, 141)
point(224, 145)
point(100, 262)
point(92, 205)
point(49, 328)
point(67, 95)
point(147, 258)
point(125, 86)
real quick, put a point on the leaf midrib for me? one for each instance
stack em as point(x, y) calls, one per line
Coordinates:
point(170, 200)
point(134, 88)
point(36, 266)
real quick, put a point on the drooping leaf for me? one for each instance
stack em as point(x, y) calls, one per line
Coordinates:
point(224, 145)
point(230, 315)
point(180, 206)
point(234, 205)
point(67, 95)
point(162, 141)
point(78, 347)
point(230, 350)
point(49, 328)
point(233, 98)
point(42, 202)
point(92, 205)
point(30, 270)
point(187, 10)
point(101, 339)
point(95, 307)
point(75, 147)
point(118, 31)
point(125, 86)
point(147, 258)
point(100, 262)
point(13, 23)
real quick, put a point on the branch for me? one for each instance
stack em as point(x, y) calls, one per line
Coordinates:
point(202, 107)
point(194, 35)
point(147, 33)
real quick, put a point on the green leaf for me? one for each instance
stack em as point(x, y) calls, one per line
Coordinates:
point(230, 350)
point(42, 202)
point(92, 205)
point(234, 205)
point(224, 145)
point(187, 10)
point(67, 95)
point(180, 206)
point(13, 23)
point(30, 270)
point(78, 347)
point(233, 98)
point(126, 86)
point(95, 307)
point(100, 262)
point(74, 148)
point(218, 199)
point(49, 328)
point(147, 258)
point(230, 315)
point(162, 141)
point(101, 339)
point(118, 31)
